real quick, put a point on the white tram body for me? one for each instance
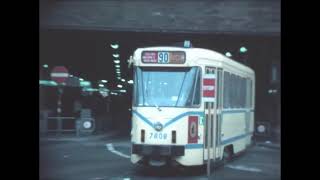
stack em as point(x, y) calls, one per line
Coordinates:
point(180, 92)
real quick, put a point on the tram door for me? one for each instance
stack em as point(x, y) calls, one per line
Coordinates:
point(209, 98)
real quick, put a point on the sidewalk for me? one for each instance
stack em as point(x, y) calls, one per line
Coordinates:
point(268, 142)
point(75, 138)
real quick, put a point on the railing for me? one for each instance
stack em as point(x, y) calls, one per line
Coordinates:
point(59, 127)
point(81, 125)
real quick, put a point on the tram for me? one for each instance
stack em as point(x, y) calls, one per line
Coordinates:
point(189, 105)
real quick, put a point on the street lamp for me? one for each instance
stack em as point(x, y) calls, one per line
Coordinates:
point(228, 54)
point(243, 54)
point(114, 46)
point(243, 49)
point(115, 55)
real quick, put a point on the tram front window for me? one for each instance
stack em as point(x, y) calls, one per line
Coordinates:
point(167, 86)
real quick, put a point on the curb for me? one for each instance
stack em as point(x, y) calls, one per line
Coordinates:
point(272, 146)
point(76, 139)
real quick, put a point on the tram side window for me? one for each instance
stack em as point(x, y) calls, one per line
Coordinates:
point(249, 93)
point(235, 91)
point(244, 90)
point(226, 90)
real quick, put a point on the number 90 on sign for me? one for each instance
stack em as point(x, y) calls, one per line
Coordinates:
point(163, 57)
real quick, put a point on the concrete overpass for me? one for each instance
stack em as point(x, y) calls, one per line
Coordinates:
point(254, 17)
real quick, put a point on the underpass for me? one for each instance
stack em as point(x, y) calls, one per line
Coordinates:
point(81, 36)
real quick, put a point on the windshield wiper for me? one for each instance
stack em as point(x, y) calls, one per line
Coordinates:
point(184, 78)
point(156, 106)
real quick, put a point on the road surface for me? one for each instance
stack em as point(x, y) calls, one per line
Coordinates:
point(108, 159)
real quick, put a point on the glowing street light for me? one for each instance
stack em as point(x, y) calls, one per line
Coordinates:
point(228, 54)
point(101, 85)
point(114, 46)
point(116, 61)
point(243, 49)
point(119, 86)
point(45, 66)
point(80, 79)
point(104, 81)
point(123, 80)
point(115, 55)
point(117, 66)
point(130, 81)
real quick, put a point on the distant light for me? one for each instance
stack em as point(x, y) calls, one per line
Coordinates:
point(115, 46)
point(119, 86)
point(118, 72)
point(117, 66)
point(104, 81)
point(123, 80)
point(123, 90)
point(243, 49)
point(114, 93)
point(80, 79)
point(101, 85)
point(45, 66)
point(85, 84)
point(117, 69)
point(47, 83)
point(104, 89)
point(115, 55)
point(118, 77)
point(130, 81)
point(228, 54)
point(70, 75)
point(186, 44)
point(116, 61)
point(89, 89)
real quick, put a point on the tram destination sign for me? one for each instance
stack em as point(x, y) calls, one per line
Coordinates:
point(163, 57)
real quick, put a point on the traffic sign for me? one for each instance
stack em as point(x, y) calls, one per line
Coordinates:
point(59, 74)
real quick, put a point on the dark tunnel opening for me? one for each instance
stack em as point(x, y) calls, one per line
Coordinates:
point(87, 54)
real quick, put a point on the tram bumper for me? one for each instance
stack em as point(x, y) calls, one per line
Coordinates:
point(158, 150)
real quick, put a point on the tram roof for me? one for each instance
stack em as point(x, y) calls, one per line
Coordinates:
point(199, 53)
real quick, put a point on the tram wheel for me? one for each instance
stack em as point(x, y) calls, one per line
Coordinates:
point(227, 155)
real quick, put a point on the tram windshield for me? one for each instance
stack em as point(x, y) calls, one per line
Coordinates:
point(167, 87)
